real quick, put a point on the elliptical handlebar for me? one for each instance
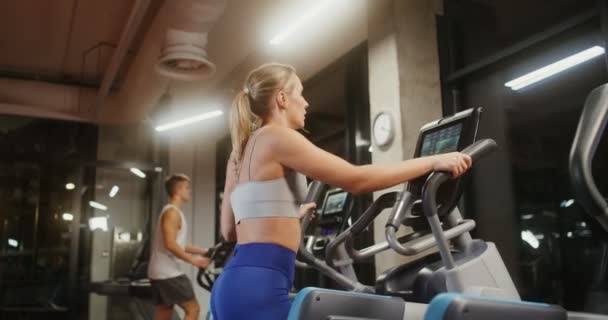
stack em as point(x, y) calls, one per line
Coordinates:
point(590, 129)
point(418, 244)
point(385, 201)
point(429, 199)
point(476, 151)
point(206, 276)
point(429, 193)
point(315, 191)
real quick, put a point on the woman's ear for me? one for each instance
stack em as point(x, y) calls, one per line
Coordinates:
point(281, 99)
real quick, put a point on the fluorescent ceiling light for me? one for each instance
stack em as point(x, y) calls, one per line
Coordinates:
point(13, 243)
point(305, 19)
point(567, 203)
point(114, 191)
point(529, 237)
point(190, 120)
point(98, 223)
point(98, 205)
point(67, 216)
point(138, 173)
point(70, 186)
point(555, 68)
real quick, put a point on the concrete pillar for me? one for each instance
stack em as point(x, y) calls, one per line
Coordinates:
point(404, 81)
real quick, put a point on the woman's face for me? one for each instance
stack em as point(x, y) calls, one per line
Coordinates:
point(296, 105)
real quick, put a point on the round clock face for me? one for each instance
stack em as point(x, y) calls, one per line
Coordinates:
point(383, 129)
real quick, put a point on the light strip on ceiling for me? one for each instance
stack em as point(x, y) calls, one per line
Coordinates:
point(98, 205)
point(555, 68)
point(530, 238)
point(188, 121)
point(13, 243)
point(138, 173)
point(114, 191)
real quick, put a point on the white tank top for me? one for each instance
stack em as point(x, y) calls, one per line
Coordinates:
point(163, 264)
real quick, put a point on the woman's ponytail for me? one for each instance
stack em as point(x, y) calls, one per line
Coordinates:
point(243, 122)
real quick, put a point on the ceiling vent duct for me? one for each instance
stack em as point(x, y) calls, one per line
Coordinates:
point(184, 54)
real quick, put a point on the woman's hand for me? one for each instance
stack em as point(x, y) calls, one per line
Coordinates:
point(455, 163)
point(304, 209)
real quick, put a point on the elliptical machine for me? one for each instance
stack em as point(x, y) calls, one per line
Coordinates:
point(313, 303)
point(479, 269)
point(453, 306)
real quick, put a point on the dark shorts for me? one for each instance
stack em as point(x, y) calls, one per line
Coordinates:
point(173, 290)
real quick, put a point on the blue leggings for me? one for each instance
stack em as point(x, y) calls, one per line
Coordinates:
point(255, 284)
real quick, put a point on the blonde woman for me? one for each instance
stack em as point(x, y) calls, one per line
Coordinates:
point(266, 185)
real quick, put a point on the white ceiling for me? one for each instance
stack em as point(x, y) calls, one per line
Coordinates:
point(50, 37)
point(244, 32)
point(240, 41)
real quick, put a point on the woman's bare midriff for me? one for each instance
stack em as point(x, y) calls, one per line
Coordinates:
point(278, 230)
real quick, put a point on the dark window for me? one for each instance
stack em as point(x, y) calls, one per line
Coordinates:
point(39, 161)
point(521, 196)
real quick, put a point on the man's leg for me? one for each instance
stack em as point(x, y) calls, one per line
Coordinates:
point(191, 308)
point(164, 312)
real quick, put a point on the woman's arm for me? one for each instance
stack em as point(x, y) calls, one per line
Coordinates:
point(227, 224)
point(293, 150)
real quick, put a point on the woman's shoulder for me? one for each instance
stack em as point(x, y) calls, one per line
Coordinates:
point(275, 134)
point(273, 128)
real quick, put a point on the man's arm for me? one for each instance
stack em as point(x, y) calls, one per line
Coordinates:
point(170, 225)
point(227, 223)
point(196, 250)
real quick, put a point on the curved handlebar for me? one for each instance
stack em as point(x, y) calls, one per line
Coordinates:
point(206, 277)
point(416, 243)
point(404, 203)
point(385, 201)
point(480, 149)
point(429, 200)
point(315, 191)
point(590, 130)
point(476, 151)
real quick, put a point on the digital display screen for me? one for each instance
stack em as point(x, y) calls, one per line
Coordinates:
point(441, 141)
point(334, 202)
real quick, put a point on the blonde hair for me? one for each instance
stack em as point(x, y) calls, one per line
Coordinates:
point(252, 103)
